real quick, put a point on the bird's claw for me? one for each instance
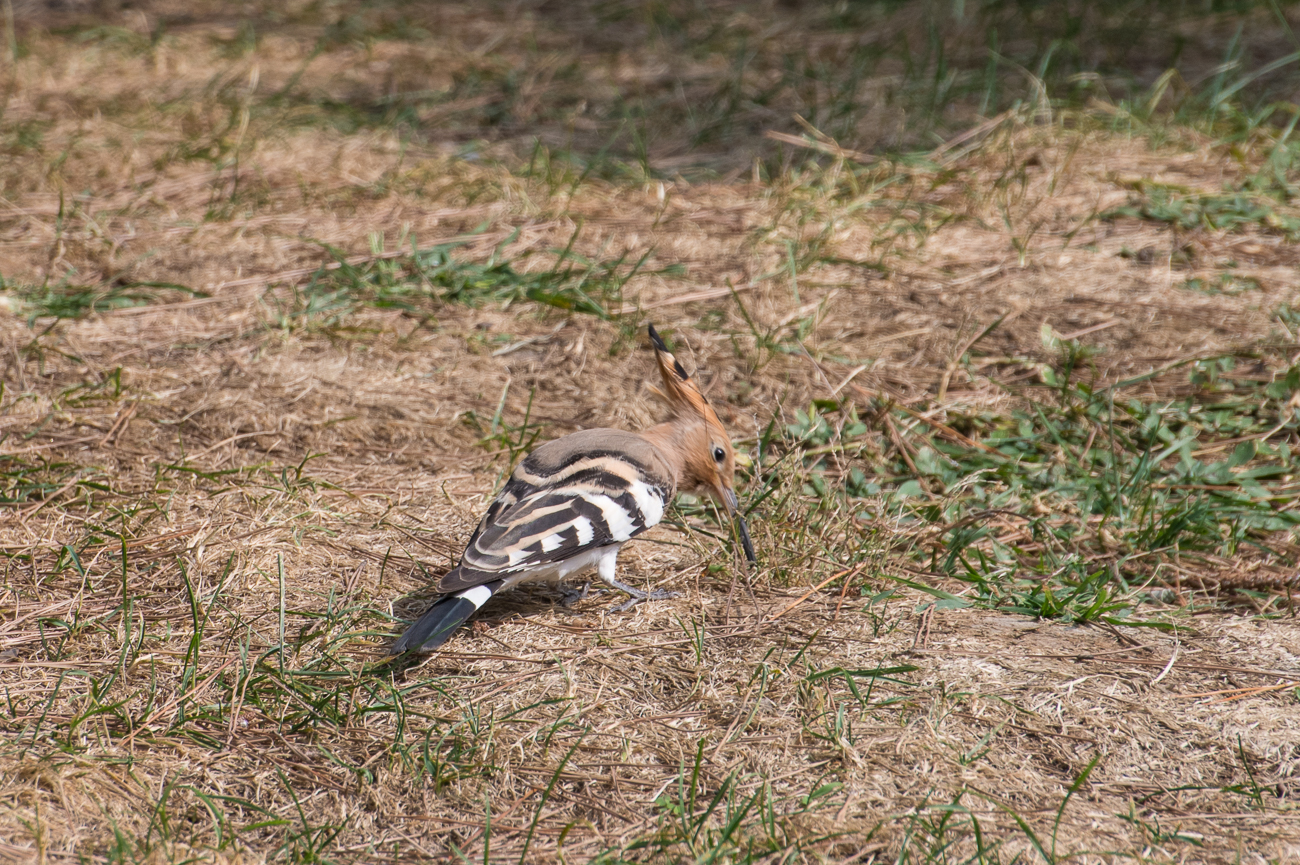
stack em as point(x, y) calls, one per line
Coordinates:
point(570, 597)
point(656, 595)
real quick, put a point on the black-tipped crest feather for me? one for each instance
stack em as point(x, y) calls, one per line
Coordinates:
point(658, 340)
point(659, 345)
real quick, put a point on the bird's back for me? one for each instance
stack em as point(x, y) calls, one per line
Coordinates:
point(577, 493)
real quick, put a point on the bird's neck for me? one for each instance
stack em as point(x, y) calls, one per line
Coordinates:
point(676, 440)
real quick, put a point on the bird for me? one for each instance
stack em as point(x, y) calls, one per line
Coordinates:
point(573, 502)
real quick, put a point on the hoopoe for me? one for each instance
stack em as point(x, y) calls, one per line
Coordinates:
point(573, 502)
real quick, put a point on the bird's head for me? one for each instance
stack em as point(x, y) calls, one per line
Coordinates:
point(708, 459)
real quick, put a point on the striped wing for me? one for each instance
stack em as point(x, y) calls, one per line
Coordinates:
point(539, 521)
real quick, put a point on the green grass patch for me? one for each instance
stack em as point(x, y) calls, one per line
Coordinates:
point(420, 281)
point(1226, 283)
point(69, 300)
point(1073, 504)
point(1232, 211)
point(29, 482)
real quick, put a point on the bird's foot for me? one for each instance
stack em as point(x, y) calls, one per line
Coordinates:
point(569, 597)
point(638, 597)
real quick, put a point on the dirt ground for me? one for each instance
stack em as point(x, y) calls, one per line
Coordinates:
point(231, 498)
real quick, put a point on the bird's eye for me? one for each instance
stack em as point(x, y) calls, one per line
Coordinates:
point(719, 454)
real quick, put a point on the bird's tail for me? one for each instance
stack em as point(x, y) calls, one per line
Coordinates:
point(441, 620)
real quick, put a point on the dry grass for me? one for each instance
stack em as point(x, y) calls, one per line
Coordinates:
point(243, 429)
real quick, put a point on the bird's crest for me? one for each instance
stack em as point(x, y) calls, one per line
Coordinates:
point(680, 391)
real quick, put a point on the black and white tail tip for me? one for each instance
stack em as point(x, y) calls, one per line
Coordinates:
point(442, 620)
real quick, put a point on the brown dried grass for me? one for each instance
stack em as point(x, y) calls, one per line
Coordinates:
point(605, 709)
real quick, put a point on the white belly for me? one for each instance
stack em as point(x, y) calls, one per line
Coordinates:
point(560, 570)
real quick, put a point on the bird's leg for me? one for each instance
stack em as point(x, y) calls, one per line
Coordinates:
point(605, 568)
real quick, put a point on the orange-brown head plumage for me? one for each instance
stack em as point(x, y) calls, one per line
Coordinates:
point(707, 458)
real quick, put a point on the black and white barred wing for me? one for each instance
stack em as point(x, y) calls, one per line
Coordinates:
point(529, 530)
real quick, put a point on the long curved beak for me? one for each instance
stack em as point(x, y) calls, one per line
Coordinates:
point(728, 497)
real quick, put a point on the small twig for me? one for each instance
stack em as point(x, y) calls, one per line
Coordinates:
point(976, 132)
point(532, 340)
point(848, 378)
point(475, 836)
point(922, 637)
point(828, 147)
point(1065, 337)
point(967, 346)
point(54, 444)
point(1172, 659)
point(23, 515)
point(940, 427)
point(832, 578)
point(901, 446)
point(119, 423)
point(1123, 638)
point(234, 438)
point(690, 297)
point(844, 593)
point(194, 691)
point(1240, 693)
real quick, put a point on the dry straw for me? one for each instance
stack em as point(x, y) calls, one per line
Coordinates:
point(263, 425)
